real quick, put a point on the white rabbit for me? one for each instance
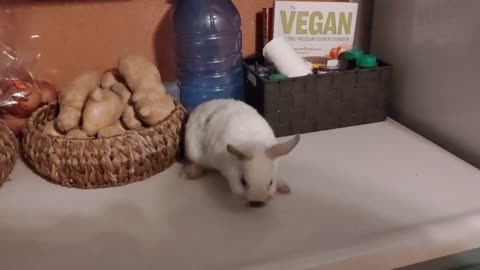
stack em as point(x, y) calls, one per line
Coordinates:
point(231, 137)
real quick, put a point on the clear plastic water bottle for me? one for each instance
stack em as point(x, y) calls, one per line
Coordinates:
point(209, 51)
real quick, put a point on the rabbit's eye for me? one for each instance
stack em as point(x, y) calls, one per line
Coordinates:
point(244, 182)
point(270, 184)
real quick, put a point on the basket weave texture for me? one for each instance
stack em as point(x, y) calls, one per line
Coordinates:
point(321, 101)
point(8, 152)
point(107, 162)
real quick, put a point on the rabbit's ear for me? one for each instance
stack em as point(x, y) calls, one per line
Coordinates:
point(282, 149)
point(237, 153)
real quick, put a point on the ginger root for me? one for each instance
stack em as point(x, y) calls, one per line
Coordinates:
point(49, 128)
point(110, 131)
point(109, 79)
point(76, 134)
point(130, 119)
point(72, 98)
point(155, 109)
point(140, 74)
point(149, 97)
point(122, 91)
point(103, 109)
point(121, 99)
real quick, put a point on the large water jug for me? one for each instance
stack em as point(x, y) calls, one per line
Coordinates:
point(209, 51)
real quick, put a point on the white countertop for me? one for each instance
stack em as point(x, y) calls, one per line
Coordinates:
point(370, 197)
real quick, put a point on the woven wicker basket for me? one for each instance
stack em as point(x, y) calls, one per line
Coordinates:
point(98, 163)
point(8, 152)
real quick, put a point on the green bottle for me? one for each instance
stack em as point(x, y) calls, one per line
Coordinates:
point(366, 61)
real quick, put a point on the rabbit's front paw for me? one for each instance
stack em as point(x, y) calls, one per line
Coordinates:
point(193, 171)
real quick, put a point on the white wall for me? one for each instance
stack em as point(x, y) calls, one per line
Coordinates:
point(434, 48)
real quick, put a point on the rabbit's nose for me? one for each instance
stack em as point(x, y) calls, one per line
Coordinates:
point(256, 204)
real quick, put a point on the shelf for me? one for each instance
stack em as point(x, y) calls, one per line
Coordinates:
point(370, 197)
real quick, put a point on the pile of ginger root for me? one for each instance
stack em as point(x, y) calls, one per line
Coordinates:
point(128, 98)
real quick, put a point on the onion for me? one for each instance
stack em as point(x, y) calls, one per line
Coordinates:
point(16, 124)
point(19, 96)
point(22, 101)
point(48, 91)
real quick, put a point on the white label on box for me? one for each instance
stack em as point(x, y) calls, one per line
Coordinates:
point(316, 28)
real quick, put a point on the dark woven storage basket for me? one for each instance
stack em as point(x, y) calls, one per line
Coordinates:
point(107, 162)
point(321, 102)
point(8, 152)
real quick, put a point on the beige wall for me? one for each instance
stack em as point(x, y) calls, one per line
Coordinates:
point(78, 35)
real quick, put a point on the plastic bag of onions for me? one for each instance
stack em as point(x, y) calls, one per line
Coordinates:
point(20, 92)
